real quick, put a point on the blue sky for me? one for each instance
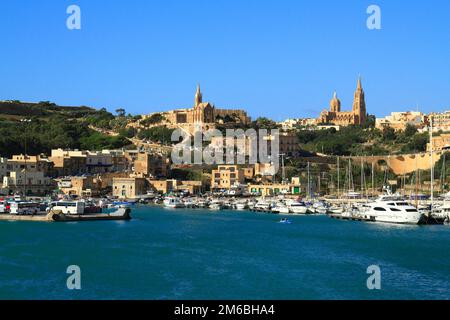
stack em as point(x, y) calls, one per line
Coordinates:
point(273, 58)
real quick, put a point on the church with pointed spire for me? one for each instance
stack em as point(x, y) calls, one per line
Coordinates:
point(345, 118)
point(202, 115)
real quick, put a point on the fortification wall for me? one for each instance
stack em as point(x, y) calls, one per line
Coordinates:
point(401, 164)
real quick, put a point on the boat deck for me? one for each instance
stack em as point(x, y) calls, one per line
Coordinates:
point(120, 214)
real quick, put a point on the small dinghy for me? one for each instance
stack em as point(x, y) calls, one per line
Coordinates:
point(285, 221)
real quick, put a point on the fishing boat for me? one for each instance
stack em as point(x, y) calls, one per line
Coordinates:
point(173, 202)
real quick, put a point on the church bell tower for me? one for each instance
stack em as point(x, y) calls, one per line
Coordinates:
point(198, 97)
point(359, 104)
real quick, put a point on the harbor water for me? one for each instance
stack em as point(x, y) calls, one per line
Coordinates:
point(201, 254)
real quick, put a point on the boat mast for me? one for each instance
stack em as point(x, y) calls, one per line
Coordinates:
point(309, 186)
point(442, 178)
point(318, 187)
point(350, 175)
point(417, 178)
point(373, 179)
point(362, 176)
point(432, 162)
point(338, 179)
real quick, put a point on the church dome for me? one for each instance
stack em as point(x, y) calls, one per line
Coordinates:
point(335, 103)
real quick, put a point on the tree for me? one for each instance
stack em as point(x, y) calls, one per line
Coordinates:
point(264, 123)
point(370, 121)
point(120, 112)
point(418, 143)
point(153, 119)
point(157, 134)
point(389, 134)
point(410, 130)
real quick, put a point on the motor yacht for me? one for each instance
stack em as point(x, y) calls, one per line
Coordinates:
point(391, 209)
point(297, 207)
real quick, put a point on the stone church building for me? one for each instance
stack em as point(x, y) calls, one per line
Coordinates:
point(344, 118)
point(203, 115)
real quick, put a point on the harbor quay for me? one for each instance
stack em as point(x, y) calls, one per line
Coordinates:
point(105, 185)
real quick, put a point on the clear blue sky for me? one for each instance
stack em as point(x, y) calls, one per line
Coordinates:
point(273, 58)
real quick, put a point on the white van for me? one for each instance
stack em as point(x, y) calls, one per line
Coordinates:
point(24, 208)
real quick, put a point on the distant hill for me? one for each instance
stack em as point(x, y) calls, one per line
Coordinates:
point(43, 109)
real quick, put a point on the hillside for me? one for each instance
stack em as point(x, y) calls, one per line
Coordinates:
point(42, 109)
point(50, 126)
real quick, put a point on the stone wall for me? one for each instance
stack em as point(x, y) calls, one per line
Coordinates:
point(400, 164)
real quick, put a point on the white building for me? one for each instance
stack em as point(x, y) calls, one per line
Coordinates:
point(400, 120)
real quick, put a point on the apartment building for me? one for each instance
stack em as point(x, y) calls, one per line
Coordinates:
point(440, 143)
point(227, 176)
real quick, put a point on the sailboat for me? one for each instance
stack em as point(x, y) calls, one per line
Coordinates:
point(437, 215)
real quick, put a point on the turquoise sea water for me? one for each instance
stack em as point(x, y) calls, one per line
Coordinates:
point(197, 254)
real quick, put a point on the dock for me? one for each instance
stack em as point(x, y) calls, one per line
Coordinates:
point(57, 216)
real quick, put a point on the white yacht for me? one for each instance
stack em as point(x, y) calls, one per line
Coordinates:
point(215, 206)
point(297, 207)
point(391, 209)
point(240, 206)
point(280, 208)
point(173, 202)
point(262, 205)
point(320, 207)
point(440, 212)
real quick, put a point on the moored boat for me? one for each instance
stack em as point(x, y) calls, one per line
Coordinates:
point(173, 202)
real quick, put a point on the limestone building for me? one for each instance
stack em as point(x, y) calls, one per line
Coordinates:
point(226, 176)
point(129, 188)
point(344, 118)
point(400, 120)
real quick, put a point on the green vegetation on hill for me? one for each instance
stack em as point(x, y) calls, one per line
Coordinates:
point(44, 109)
point(160, 134)
point(49, 126)
point(357, 140)
point(153, 119)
